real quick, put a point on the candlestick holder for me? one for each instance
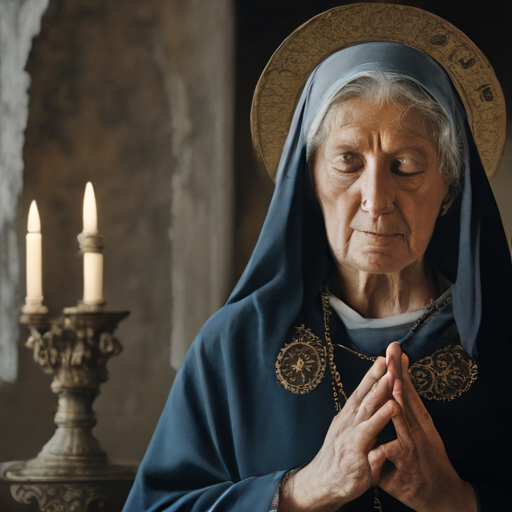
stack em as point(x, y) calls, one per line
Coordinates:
point(74, 348)
point(34, 306)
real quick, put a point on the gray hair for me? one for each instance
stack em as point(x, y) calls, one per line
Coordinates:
point(383, 87)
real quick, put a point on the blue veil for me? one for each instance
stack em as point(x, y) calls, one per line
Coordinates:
point(276, 267)
point(229, 431)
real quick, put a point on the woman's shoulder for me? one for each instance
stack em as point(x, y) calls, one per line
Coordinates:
point(227, 333)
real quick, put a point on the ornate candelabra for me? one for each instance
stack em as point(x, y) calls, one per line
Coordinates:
point(72, 472)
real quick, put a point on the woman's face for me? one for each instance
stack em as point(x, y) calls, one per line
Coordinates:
point(378, 183)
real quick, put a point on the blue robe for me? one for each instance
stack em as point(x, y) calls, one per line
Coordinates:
point(230, 430)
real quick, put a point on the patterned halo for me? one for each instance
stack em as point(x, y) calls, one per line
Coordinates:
point(287, 71)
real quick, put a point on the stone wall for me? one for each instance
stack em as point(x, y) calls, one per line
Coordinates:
point(137, 98)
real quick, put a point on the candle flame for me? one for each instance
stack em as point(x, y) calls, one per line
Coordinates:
point(34, 223)
point(90, 215)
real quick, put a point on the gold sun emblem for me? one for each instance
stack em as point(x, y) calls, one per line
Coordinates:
point(300, 365)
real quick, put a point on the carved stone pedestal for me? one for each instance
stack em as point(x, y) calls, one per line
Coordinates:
point(108, 495)
point(72, 473)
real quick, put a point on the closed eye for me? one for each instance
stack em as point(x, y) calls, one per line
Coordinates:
point(406, 167)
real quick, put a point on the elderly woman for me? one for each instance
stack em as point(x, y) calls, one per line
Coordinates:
point(380, 286)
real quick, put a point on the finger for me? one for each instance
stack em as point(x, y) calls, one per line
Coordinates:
point(414, 408)
point(407, 395)
point(398, 392)
point(372, 376)
point(376, 459)
point(393, 359)
point(405, 361)
point(380, 393)
point(392, 451)
point(403, 434)
point(398, 388)
point(399, 450)
point(368, 430)
point(394, 364)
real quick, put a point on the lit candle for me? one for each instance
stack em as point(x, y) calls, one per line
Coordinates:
point(90, 214)
point(93, 261)
point(34, 254)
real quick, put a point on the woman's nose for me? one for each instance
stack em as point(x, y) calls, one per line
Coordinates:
point(377, 190)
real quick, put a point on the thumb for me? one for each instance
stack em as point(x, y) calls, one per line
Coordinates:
point(376, 459)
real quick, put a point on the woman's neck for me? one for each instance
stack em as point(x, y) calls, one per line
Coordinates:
point(382, 295)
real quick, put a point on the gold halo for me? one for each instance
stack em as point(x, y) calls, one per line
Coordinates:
point(282, 80)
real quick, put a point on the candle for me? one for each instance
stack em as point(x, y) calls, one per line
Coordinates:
point(90, 215)
point(93, 261)
point(34, 254)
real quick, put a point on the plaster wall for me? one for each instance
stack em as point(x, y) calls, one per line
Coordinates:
point(135, 97)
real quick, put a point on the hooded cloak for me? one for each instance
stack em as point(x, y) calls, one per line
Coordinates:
point(230, 430)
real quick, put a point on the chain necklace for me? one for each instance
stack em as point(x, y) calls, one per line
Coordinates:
point(430, 311)
point(337, 385)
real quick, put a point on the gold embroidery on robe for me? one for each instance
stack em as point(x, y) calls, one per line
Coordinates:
point(444, 375)
point(300, 365)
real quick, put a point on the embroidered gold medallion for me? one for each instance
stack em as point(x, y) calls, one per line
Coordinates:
point(300, 365)
point(444, 375)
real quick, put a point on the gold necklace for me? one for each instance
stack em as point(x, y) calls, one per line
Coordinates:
point(337, 385)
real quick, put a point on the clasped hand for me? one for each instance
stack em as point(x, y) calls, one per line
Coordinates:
point(414, 468)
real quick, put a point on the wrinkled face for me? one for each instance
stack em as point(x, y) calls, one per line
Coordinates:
point(378, 183)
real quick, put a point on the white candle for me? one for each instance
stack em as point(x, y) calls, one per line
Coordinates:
point(34, 254)
point(93, 276)
point(93, 261)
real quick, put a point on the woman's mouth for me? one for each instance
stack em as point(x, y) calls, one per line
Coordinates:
point(381, 238)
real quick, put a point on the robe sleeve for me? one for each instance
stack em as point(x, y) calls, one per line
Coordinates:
point(191, 461)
